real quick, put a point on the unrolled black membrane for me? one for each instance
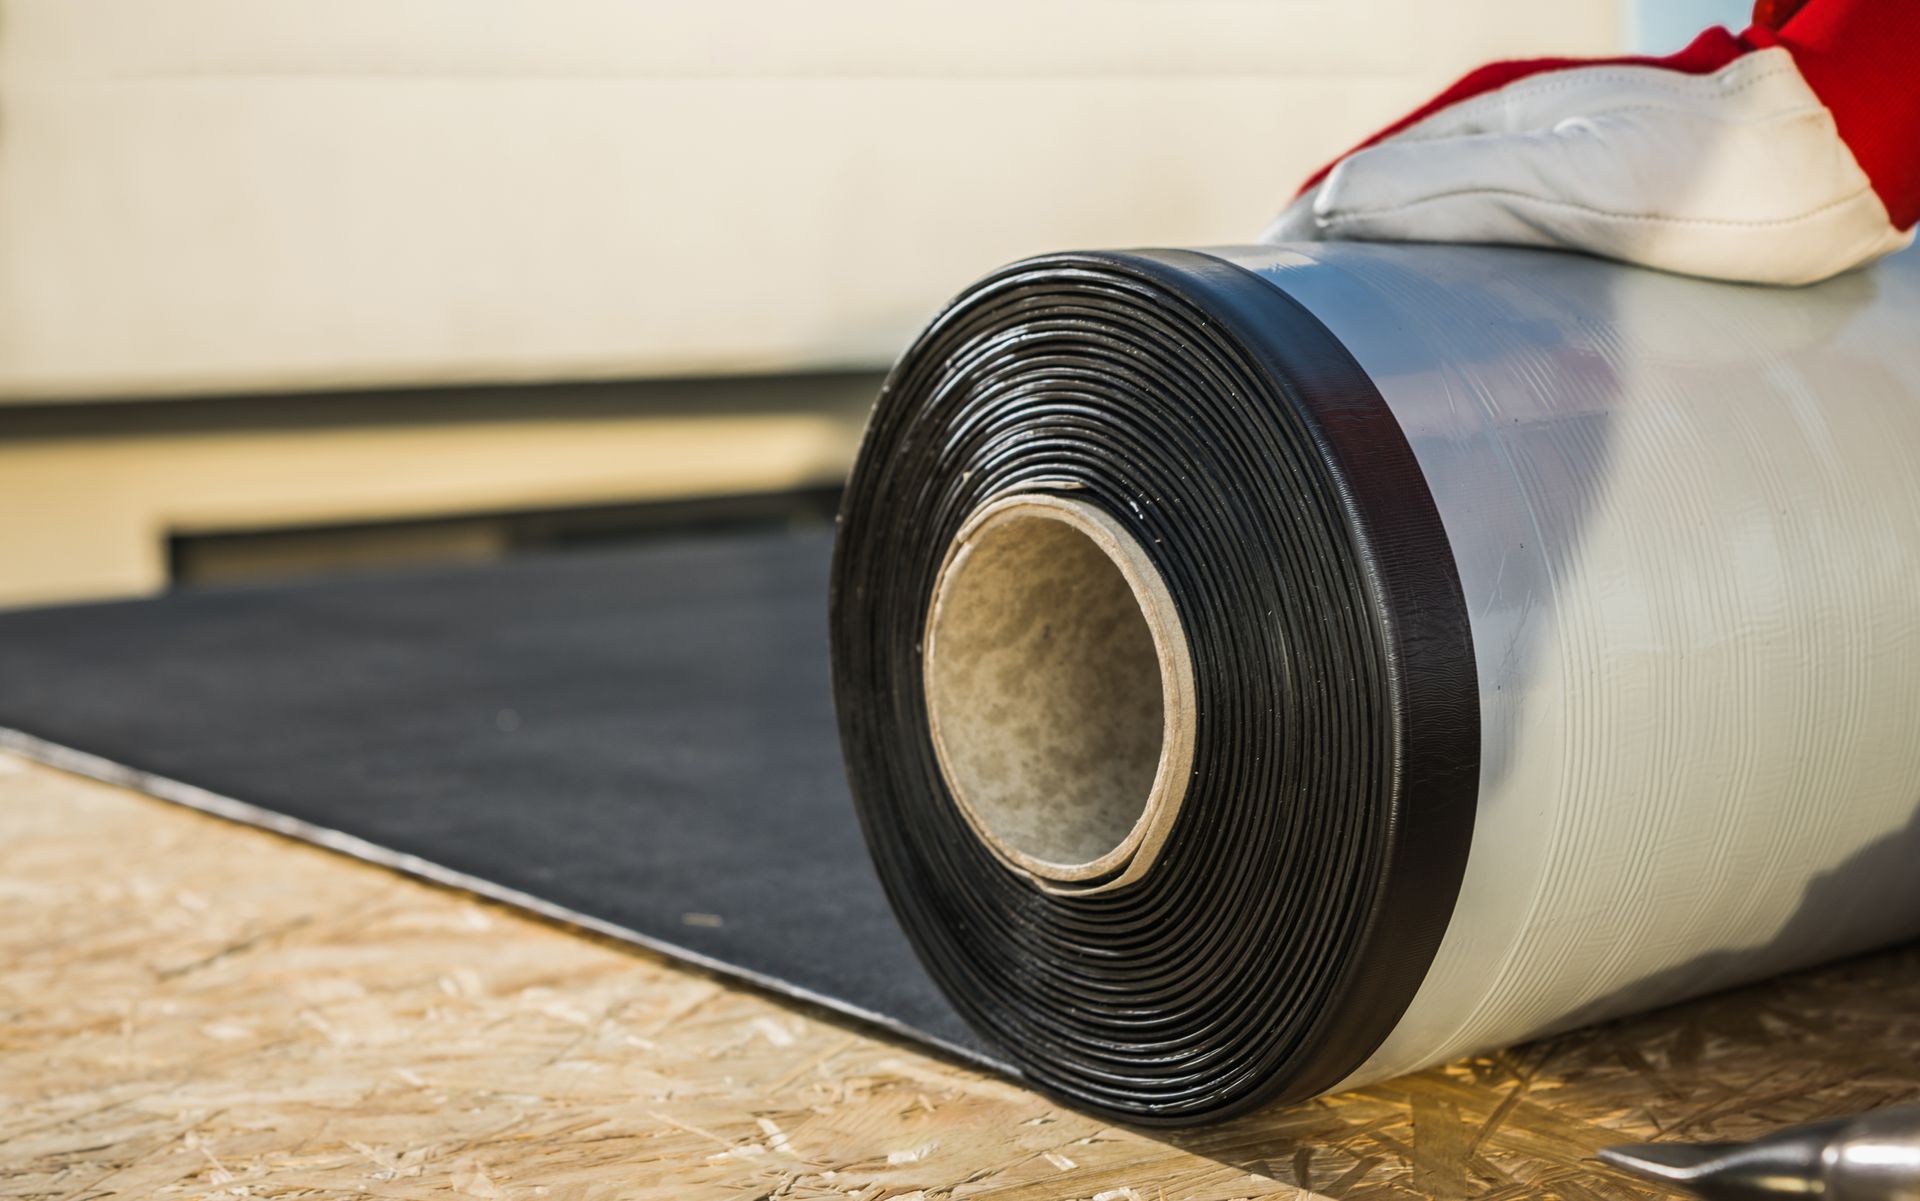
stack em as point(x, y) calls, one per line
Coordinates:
point(1303, 891)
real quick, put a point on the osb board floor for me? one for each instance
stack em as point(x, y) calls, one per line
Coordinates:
point(193, 1009)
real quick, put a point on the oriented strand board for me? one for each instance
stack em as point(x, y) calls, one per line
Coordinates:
point(198, 1010)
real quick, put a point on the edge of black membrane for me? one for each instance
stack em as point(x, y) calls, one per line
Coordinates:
point(616, 740)
point(1307, 884)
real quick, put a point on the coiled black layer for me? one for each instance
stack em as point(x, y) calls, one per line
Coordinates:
point(1307, 881)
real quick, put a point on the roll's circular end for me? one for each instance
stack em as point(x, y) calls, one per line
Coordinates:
point(1168, 897)
point(1059, 691)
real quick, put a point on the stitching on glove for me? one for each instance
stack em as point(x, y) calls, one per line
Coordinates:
point(1331, 222)
point(1678, 82)
point(1787, 114)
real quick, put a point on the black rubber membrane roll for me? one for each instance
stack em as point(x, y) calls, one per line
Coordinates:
point(1264, 671)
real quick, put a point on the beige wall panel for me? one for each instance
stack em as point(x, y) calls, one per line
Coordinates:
point(216, 195)
point(89, 517)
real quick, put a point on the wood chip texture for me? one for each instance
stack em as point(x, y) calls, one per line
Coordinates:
point(194, 1009)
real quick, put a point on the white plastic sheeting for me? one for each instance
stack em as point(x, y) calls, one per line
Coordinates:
point(1686, 518)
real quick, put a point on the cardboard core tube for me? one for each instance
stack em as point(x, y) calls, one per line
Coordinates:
point(1059, 691)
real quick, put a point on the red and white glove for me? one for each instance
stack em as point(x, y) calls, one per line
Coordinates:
point(1783, 155)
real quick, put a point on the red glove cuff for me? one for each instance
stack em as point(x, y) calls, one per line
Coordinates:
point(1859, 57)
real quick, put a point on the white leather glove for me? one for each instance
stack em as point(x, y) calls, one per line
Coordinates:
point(1737, 173)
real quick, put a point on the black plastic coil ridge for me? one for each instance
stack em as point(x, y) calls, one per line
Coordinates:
point(1299, 899)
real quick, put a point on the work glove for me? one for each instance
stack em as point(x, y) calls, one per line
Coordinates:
point(1783, 155)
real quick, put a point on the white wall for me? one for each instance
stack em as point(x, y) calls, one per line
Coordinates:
point(212, 195)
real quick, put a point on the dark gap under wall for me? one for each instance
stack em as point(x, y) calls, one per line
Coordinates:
point(203, 558)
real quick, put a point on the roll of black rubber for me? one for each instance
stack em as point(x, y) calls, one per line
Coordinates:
point(1280, 927)
point(1274, 669)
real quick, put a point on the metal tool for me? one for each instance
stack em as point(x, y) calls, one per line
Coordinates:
point(1868, 1157)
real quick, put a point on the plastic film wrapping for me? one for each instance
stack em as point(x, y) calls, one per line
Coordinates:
point(1268, 670)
